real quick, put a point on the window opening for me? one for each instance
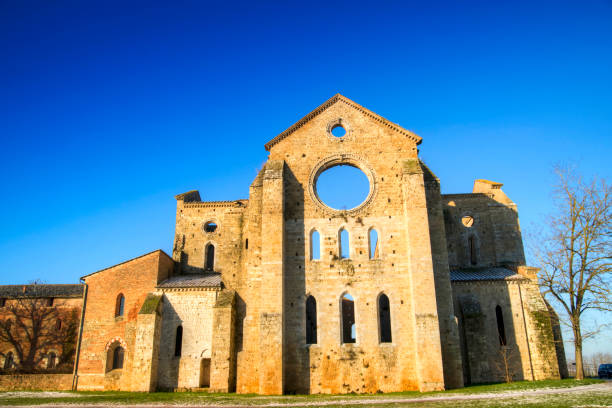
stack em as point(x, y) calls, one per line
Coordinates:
point(8, 361)
point(315, 245)
point(472, 245)
point(2, 302)
point(178, 345)
point(384, 318)
point(50, 302)
point(347, 307)
point(342, 187)
point(344, 244)
point(58, 325)
point(120, 305)
point(311, 320)
point(338, 131)
point(118, 357)
point(210, 257)
point(501, 330)
point(373, 244)
point(210, 226)
point(51, 360)
point(246, 244)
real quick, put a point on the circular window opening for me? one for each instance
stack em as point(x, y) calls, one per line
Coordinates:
point(342, 187)
point(467, 221)
point(338, 131)
point(210, 226)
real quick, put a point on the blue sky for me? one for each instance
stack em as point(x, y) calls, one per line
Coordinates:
point(108, 109)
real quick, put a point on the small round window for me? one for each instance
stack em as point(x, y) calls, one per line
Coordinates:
point(338, 130)
point(210, 226)
point(467, 221)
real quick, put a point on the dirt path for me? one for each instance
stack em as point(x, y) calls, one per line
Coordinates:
point(593, 388)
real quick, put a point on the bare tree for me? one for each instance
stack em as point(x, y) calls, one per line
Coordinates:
point(576, 253)
point(32, 327)
point(506, 355)
point(599, 358)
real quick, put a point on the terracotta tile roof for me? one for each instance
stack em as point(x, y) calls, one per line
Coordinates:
point(41, 291)
point(206, 280)
point(484, 274)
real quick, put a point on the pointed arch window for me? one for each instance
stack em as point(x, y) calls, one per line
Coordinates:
point(178, 345)
point(51, 360)
point(8, 361)
point(119, 305)
point(209, 263)
point(118, 354)
point(472, 247)
point(373, 243)
point(384, 318)
point(345, 252)
point(501, 330)
point(315, 245)
point(311, 320)
point(347, 310)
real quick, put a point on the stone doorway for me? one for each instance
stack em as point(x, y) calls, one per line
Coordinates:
point(205, 373)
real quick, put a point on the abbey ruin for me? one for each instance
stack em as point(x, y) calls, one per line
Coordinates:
point(280, 293)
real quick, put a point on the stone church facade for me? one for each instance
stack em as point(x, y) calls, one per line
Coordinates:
point(280, 293)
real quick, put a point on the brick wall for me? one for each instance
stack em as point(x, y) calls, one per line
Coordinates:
point(102, 330)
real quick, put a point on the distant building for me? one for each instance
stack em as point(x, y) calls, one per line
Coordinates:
point(432, 291)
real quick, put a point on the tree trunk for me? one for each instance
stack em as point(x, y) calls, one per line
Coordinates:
point(578, 348)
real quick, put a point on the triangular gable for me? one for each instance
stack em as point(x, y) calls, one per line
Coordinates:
point(342, 99)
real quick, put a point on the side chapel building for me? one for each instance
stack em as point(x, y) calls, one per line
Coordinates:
point(280, 293)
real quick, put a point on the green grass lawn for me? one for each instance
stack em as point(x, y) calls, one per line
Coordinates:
point(203, 398)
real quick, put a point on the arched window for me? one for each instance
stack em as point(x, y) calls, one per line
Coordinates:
point(311, 320)
point(384, 318)
point(119, 305)
point(347, 310)
point(8, 360)
point(210, 257)
point(118, 357)
point(178, 345)
point(345, 252)
point(373, 240)
point(501, 330)
point(472, 246)
point(51, 360)
point(315, 245)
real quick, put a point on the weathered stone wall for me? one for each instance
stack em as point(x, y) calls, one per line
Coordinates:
point(38, 382)
point(191, 239)
point(102, 329)
point(531, 352)
point(193, 310)
point(495, 228)
point(403, 270)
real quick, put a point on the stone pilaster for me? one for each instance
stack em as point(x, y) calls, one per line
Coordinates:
point(428, 354)
point(271, 307)
point(449, 331)
point(223, 354)
point(146, 345)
